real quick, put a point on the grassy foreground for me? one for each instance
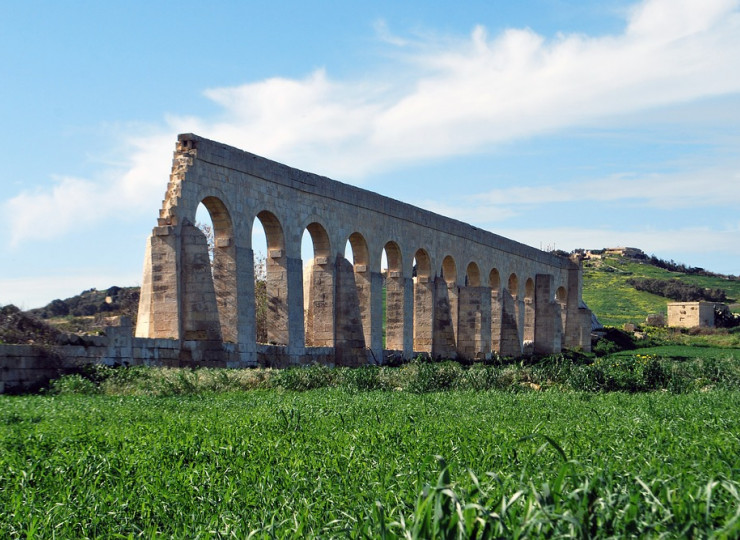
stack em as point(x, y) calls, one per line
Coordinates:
point(337, 462)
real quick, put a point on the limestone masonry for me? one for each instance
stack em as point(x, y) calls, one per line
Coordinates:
point(451, 289)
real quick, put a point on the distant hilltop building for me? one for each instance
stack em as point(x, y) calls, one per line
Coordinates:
point(625, 252)
point(630, 252)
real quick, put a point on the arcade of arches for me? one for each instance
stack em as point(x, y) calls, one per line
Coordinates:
point(383, 278)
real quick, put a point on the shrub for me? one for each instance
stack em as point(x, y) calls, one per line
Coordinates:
point(73, 384)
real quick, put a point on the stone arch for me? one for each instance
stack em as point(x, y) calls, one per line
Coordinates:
point(449, 270)
point(360, 252)
point(529, 289)
point(423, 302)
point(513, 285)
point(494, 280)
point(394, 257)
point(209, 279)
point(320, 239)
point(472, 275)
point(423, 264)
point(224, 266)
point(318, 289)
point(561, 295)
point(271, 310)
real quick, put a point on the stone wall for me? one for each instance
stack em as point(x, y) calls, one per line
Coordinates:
point(437, 299)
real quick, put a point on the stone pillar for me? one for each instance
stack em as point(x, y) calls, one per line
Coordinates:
point(296, 335)
point(496, 311)
point(276, 266)
point(319, 302)
point(408, 318)
point(225, 285)
point(159, 304)
point(423, 314)
point(199, 308)
point(578, 319)
point(364, 284)
point(376, 318)
point(529, 321)
point(394, 311)
point(474, 327)
point(350, 336)
point(445, 319)
point(547, 330)
point(245, 308)
point(511, 344)
point(520, 317)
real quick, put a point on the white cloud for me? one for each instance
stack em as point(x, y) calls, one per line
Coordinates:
point(718, 187)
point(453, 97)
point(444, 98)
point(72, 203)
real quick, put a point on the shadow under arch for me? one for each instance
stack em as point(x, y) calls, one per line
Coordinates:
point(511, 341)
point(474, 316)
point(446, 308)
point(353, 303)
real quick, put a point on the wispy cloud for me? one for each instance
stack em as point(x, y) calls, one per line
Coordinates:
point(444, 97)
point(717, 187)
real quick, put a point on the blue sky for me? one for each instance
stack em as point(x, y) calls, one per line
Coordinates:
point(557, 123)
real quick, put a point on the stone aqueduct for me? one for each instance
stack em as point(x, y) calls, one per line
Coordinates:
point(450, 289)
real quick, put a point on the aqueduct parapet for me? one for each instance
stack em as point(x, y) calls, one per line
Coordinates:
point(443, 292)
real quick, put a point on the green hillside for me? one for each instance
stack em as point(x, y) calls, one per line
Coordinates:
point(615, 302)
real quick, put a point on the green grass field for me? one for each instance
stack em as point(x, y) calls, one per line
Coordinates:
point(615, 302)
point(337, 462)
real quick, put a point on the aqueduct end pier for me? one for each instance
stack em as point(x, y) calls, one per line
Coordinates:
point(449, 290)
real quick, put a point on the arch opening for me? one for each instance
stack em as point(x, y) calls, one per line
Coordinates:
point(494, 280)
point(561, 295)
point(513, 285)
point(449, 270)
point(472, 275)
